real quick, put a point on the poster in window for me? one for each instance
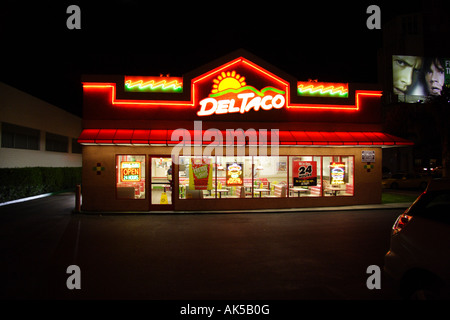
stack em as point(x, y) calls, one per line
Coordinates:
point(200, 175)
point(304, 173)
point(234, 173)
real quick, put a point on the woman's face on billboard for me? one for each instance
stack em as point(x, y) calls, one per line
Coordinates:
point(435, 78)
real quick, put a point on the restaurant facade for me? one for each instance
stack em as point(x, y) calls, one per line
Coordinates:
point(236, 134)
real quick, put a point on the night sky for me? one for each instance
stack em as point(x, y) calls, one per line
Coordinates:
point(325, 40)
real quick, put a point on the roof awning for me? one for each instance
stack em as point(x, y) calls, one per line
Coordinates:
point(237, 137)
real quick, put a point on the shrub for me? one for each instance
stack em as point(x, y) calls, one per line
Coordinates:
point(16, 183)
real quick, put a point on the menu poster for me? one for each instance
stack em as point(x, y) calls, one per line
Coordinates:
point(234, 174)
point(304, 173)
point(200, 174)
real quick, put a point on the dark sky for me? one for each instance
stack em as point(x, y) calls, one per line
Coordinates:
point(325, 40)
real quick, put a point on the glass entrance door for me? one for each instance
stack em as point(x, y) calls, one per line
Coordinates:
point(161, 183)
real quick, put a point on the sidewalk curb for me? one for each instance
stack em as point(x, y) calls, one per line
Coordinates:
point(383, 206)
point(387, 206)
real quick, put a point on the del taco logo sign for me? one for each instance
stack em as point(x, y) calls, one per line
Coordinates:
point(230, 93)
point(237, 87)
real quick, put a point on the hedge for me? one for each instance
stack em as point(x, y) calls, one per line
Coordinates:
point(17, 183)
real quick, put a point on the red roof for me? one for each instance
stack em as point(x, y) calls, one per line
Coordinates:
point(237, 137)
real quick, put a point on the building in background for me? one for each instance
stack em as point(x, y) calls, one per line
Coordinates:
point(414, 67)
point(35, 133)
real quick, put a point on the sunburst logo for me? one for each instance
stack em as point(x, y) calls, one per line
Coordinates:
point(231, 94)
point(228, 80)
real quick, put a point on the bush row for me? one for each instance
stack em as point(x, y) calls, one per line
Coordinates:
point(16, 183)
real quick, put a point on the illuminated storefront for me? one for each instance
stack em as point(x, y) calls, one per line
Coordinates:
point(236, 134)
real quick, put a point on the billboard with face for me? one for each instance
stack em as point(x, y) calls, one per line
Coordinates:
point(415, 78)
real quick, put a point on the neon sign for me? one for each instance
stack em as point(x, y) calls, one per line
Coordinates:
point(130, 171)
point(238, 97)
point(337, 170)
point(234, 174)
point(322, 89)
point(218, 90)
point(154, 84)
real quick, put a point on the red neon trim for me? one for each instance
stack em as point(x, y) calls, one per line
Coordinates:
point(111, 89)
point(218, 69)
point(271, 75)
point(355, 107)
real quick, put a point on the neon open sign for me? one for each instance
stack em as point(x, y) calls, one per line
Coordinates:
point(130, 171)
point(231, 94)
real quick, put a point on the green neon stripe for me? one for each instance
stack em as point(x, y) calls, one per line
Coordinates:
point(308, 92)
point(259, 93)
point(158, 88)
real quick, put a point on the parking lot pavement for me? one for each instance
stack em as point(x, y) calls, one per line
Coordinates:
point(287, 255)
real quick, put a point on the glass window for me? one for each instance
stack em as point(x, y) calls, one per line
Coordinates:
point(270, 176)
point(265, 176)
point(7, 139)
point(305, 176)
point(130, 176)
point(19, 137)
point(338, 175)
point(55, 142)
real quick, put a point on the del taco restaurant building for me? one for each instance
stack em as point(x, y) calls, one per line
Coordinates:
point(235, 134)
